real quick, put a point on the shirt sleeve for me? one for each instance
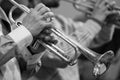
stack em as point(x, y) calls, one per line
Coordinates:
point(104, 36)
point(13, 42)
point(81, 32)
point(84, 33)
point(21, 36)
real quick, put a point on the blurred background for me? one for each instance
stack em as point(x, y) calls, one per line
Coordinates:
point(68, 10)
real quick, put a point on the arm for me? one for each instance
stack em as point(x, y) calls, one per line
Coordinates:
point(104, 36)
point(32, 24)
point(9, 44)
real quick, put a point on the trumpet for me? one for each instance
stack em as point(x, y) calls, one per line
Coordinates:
point(79, 4)
point(101, 62)
point(113, 18)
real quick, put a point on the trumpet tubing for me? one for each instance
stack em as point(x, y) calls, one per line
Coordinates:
point(100, 61)
point(79, 4)
point(51, 47)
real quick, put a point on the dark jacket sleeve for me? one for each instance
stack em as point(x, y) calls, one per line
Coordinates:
point(8, 49)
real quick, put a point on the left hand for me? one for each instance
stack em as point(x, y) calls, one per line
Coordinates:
point(46, 37)
point(36, 20)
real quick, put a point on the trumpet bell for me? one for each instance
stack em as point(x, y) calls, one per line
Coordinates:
point(104, 63)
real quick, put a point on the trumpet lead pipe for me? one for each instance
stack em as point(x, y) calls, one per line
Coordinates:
point(22, 7)
point(79, 4)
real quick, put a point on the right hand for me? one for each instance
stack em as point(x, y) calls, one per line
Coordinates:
point(101, 10)
point(36, 20)
point(96, 9)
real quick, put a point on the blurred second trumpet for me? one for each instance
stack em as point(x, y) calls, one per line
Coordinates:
point(101, 62)
point(88, 6)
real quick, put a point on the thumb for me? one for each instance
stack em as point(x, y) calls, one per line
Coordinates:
point(49, 25)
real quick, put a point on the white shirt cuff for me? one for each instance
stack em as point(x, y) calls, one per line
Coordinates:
point(93, 27)
point(21, 36)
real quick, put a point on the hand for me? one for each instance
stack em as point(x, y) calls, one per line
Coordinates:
point(46, 37)
point(113, 19)
point(36, 20)
point(101, 10)
point(96, 9)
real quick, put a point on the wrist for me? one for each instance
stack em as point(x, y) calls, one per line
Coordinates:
point(21, 36)
point(101, 23)
point(99, 17)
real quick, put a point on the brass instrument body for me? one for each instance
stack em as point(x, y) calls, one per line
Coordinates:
point(81, 5)
point(100, 61)
point(51, 47)
point(77, 4)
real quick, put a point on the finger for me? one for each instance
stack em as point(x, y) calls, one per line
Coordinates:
point(46, 25)
point(43, 10)
point(48, 15)
point(110, 12)
point(90, 4)
point(101, 4)
point(50, 39)
point(41, 36)
point(47, 31)
point(47, 38)
point(39, 6)
point(87, 4)
point(98, 2)
point(104, 6)
point(113, 3)
point(44, 34)
point(53, 40)
point(92, 1)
